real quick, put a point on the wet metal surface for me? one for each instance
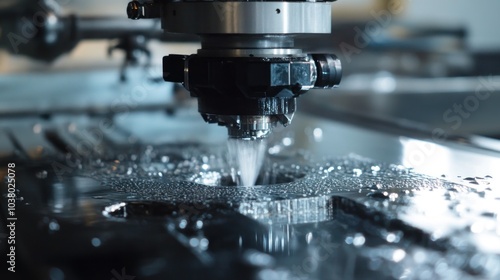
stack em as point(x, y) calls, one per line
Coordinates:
point(151, 210)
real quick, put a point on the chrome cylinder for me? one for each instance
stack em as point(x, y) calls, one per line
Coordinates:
point(216, 17)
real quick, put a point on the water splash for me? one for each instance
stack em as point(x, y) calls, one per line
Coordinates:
point(384, 216)
point(247, 156)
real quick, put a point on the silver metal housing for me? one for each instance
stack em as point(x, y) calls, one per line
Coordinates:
point(248, 127)
point(247, 17)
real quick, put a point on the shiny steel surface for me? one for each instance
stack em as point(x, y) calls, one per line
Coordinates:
point(245, 127)
point(247, 17)
point(144, 174)
point(250, 52)
point(251, 127)
point(245, 45)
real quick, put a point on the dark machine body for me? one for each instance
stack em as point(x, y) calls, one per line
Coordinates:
point(247, 74)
